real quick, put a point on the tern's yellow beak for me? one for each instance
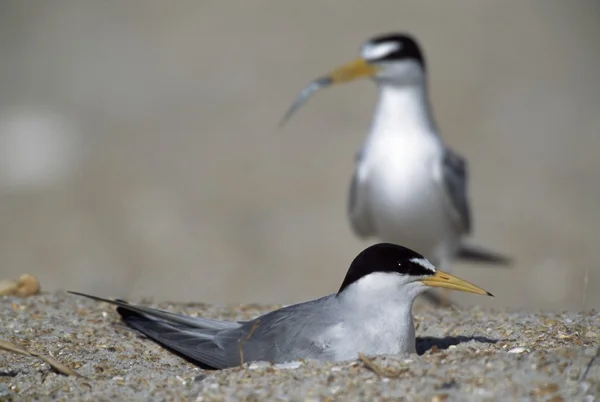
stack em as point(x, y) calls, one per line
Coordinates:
point(445, 280)
point(356, 69)
point(349, 72)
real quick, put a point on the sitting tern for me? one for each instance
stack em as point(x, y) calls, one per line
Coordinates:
point(408, 187)
point(371, 314)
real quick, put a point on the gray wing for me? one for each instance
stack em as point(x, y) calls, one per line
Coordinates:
point(190, 337)
point(193, 344)
point(358, 208)
point(291, 333)
point(286, 334)
point(453, 177)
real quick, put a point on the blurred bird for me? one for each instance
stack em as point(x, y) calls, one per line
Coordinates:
point(371, 314)
point(408, 186)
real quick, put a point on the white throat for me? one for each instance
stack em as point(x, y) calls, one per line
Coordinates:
point(403, 110)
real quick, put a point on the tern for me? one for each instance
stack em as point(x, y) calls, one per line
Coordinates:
point(370, 314)
point(408, 187)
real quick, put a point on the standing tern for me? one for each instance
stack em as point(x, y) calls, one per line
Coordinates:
point(371, 314)
point(408, 186)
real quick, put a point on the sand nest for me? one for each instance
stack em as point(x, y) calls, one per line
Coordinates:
point(464, 355)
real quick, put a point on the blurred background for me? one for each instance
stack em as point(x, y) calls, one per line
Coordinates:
point(140, 153)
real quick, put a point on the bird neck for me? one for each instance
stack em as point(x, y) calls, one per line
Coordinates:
point(381, 298)
point(377, 314)
point(403, 110)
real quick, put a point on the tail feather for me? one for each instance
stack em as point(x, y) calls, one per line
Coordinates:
point(193, 322)
point(475, 254)
point(189, 337)
point(193, 346)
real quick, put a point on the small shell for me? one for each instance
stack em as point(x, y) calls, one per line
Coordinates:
point(8, 288)
point(27, 285)
point(289, 365)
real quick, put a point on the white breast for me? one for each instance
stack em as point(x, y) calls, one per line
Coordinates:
point(405, 201)
point(406, 204)
point(375, 318)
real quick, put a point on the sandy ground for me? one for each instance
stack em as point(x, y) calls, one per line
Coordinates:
point(471, 355)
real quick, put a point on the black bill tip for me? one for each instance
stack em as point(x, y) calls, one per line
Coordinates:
point(306, 93)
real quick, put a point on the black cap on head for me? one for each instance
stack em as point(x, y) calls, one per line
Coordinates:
point(387, 257)
point(393, 47)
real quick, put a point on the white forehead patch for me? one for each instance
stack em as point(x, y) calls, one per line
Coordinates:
point(424, 263)
point(376, 51)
